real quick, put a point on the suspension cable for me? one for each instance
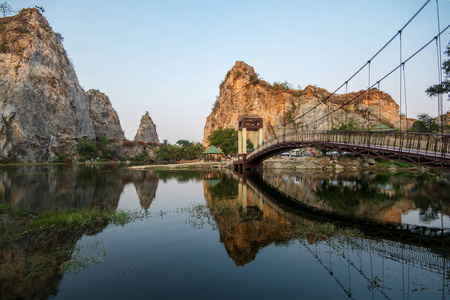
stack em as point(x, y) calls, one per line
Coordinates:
point(379, 105)
point(362, 67)
point(404, 92)
point(440, 102)
point(368, 99)
point(400, 69)
point(390, 73)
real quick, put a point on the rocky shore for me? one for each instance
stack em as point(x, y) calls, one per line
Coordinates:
point(334, 163)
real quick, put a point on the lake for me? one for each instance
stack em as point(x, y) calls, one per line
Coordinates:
point(220, 235)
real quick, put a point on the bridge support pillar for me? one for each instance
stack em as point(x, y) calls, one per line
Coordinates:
point(248, 124)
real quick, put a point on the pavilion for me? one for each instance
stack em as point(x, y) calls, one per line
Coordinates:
point(212, 154)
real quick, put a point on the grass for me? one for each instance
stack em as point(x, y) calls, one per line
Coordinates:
point(385, 163)
point(36, 245)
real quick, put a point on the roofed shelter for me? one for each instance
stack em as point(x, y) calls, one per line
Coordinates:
point(212, 153)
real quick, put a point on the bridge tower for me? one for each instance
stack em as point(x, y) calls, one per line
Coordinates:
point(248, 124)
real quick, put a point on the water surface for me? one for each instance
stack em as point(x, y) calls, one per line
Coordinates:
point(218, 235)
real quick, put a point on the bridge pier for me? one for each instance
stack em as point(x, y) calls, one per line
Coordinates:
point(248, 124)
point(241, 164)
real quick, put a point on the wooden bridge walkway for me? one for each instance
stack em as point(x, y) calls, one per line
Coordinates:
point(425, 149)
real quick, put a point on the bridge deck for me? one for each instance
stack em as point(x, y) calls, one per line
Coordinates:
point(421, 149)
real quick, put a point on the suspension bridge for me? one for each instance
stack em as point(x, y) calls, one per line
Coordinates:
point(424, 149)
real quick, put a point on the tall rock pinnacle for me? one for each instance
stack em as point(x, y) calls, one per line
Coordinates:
point(147, 130)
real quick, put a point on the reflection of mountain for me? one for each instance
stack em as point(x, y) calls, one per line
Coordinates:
point(64, 186)
point(248, 229)
point(266, 216)
point(146, 184)
point(30, 267)
point(375, 197)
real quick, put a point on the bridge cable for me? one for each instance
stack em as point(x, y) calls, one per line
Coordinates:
point(375, 55)
point(368, 99)
point(440, 102)
point(392, 71)
point(379, 105)
point(404, 91)
point(400, 69)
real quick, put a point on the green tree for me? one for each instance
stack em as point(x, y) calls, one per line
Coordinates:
point(345, 125)
point(426, 123)
point(182, 150)
point(87, 148)
point(444, 87)
point(6, 9)
point(227, 140)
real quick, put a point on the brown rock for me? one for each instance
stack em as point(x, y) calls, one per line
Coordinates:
point(242, 93)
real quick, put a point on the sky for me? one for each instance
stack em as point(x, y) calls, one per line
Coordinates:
point(168, 57)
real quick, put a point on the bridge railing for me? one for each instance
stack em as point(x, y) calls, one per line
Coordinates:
point(428, 144)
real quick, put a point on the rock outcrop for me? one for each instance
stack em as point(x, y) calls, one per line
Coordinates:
point(43, 108)
point(147, 130)
point(242, 93)
point(104, 117)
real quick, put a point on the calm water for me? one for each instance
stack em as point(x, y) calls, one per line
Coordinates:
point(187, 249)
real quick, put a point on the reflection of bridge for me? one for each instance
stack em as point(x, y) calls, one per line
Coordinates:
point(410, 244)
point(432, 150)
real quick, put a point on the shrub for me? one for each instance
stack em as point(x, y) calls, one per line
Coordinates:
point(59, 36)
point(3, 48)
point(87, 147)
point(128, 143)
point(254, 79)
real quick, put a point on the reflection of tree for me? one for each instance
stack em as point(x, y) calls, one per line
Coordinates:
point(428, 199)
point(347, 199)
point(30, 265)
point(180, 176)
point(226, 188)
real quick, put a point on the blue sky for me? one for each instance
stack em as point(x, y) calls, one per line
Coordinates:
point(169, 57)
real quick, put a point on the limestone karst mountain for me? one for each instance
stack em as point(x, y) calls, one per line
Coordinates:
point(147, 130)
point(243, 93)
point(104, 116)
point(44, 110)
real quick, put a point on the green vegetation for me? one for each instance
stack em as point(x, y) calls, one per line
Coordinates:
point(216, 104)
point(59, 36)
point(6, 9)
point(227, 140)
point(444, 87)
point(350, 124)
point(39, 244)
point(87, 148)
point(386, 163)
point(282, 85)
point(182, 150)
point(254, 79)
point(425, 123)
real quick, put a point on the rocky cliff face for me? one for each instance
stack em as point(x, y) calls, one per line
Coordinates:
point(104, 117)
point(43, 108)
point(242, 93)
point(147, 130)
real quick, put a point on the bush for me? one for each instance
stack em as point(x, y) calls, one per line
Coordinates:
point(128, 143)
point(87, 147)
point(254, 79)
